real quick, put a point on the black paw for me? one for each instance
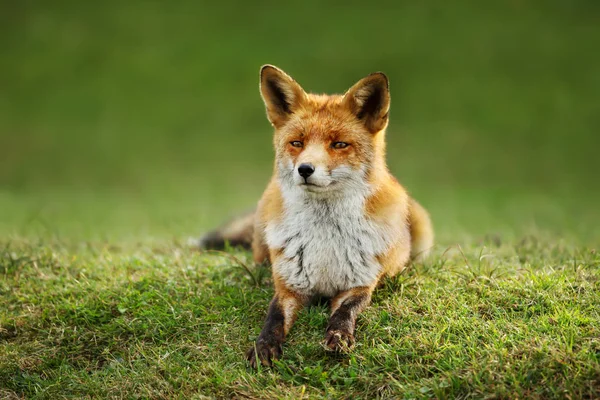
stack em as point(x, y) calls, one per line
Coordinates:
point(264, 353)
point(339, 340)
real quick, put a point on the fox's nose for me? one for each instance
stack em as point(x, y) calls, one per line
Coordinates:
point(306, 170)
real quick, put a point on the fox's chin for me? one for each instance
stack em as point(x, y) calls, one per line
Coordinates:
point(314, 188)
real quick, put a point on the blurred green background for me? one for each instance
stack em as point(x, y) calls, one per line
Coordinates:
point(128, 120)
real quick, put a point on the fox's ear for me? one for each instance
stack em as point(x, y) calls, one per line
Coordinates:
point(369, 100)
point(281, 94)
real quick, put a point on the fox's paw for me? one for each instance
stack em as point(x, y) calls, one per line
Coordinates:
point(264, 353)
point(338, 340)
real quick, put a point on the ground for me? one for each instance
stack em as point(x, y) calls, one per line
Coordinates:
point(126, 128)
point(155, 320)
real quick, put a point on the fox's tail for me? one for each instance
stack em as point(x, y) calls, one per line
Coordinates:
point(235, 232)
point(421, 231)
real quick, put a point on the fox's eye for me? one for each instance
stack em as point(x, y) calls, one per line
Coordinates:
point(296, 143)
point(339, 145)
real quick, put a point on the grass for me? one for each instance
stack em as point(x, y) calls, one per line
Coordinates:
point(126, 127)
point(515, 320)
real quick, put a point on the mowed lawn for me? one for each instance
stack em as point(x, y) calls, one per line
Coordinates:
point(126, 128)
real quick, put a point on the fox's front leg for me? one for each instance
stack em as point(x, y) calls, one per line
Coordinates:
point(345, 307)
point(280, 318)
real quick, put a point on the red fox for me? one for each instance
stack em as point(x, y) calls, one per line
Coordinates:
point(332, 221)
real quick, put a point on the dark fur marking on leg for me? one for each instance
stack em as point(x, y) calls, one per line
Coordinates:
point(268, 344)
point(343, 317)
point(340, 330)
point(274, 321)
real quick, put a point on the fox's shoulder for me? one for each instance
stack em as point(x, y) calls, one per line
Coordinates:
point(270, 205)
point(389, 200)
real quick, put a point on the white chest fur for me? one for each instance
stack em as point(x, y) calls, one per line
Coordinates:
point(329, 244)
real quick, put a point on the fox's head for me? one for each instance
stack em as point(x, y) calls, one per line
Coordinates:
point(326, 144)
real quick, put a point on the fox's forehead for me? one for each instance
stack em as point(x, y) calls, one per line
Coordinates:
point(321, 101)
point(323, 117)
